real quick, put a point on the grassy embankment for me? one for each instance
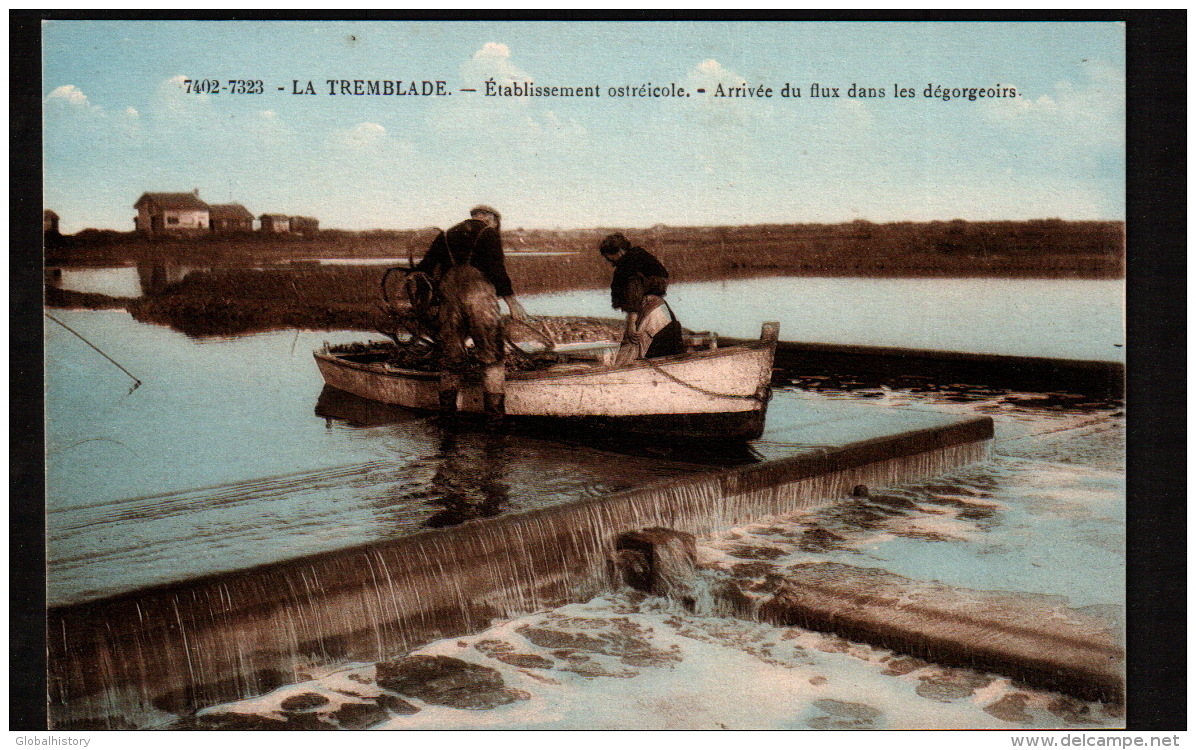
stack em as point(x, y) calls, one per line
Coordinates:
point(260, 283)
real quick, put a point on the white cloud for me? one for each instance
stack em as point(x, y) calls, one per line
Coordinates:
point(720, 125)
point(264, 129)
point(72, 98)
point(724, 108)
point(1092, 110)
point(492, 49)
point(175, 103)
point(364, 135)
point(709, 74)
point(368, 147)
point(524, 125)
point(493, 60)
point(128, 124)
point(69, 94)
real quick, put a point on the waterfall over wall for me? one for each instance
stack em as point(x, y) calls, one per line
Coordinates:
point(179, 647)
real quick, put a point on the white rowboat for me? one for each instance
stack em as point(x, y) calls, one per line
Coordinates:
point(710, 393)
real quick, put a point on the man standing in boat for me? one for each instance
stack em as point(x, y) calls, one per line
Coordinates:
point(637, 288)
point(467, 262)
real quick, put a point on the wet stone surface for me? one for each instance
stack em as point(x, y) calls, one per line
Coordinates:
point(560, 639)
point(820, 540)
point(505, 652)
point(752, 569)
point(362, 715)
point(395, 704)
point(625, 656)
point(844, 715)
point(904, 665)
point(617, 637)
point(1072, 711)
point(588, 667)
point(949, 686)
point(1011, 708)
point(303, 702)
point(755, 553)
point(445, 681)
point(253, 722)
point(526, 661)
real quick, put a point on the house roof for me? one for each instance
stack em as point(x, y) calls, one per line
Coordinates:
point(46, 214)
point(276, 217)
point(229, 211)
point(173, 201)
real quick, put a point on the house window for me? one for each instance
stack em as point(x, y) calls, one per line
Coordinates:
point(172, 220)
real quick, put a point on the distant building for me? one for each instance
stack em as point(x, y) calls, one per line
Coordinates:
point(230, 217)
point(275, 223)
point(305, 225)
point(171, 213)
point(49, 222)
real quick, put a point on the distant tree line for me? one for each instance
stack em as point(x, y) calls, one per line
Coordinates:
point(1044, 247)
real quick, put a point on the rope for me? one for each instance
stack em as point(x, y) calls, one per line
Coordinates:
point(136, 382)
point(763, 395)
point(757, 396)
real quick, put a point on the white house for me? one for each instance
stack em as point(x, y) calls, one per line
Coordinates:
point(168, 213)
point(275, 223)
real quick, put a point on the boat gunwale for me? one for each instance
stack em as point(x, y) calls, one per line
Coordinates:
point(535, 375)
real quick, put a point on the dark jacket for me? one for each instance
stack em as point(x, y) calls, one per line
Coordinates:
point(637, 262)
point(471, 242)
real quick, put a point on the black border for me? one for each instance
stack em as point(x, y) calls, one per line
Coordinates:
point(1156, 532)
point(1156, 326)
point(26, 514)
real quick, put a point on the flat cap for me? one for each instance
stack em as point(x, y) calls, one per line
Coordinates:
point(484, 209)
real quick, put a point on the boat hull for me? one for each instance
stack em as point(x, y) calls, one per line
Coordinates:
point(719, 393)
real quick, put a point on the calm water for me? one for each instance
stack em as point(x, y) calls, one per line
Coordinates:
point(1067, 318)
point(233, 454)
point(1071, 319)
point(115, 282)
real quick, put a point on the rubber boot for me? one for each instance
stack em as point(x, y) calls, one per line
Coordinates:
point(496, 409)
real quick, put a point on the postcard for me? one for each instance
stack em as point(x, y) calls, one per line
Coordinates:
point(587, 374)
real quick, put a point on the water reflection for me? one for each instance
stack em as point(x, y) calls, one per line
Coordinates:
point(470, 481)
point(114, 282)
point(334, 404)
point(469, 469)
point(338, 406)
point(156, 275)
point(150, 276)
point(1066, 318)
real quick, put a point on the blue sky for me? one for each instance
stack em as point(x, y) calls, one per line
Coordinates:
point(117, 122)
